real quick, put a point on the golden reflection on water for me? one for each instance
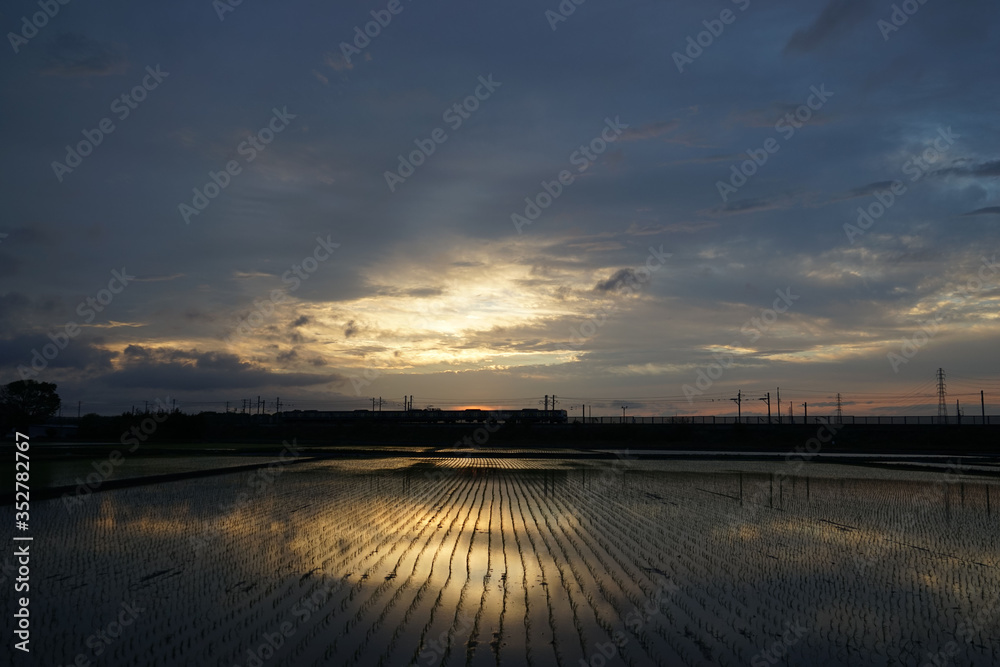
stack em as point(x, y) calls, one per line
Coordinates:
point(569, 543)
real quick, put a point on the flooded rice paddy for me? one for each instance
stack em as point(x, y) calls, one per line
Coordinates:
point(505, 561)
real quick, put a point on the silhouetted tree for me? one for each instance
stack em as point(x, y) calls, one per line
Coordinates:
point(28, 401)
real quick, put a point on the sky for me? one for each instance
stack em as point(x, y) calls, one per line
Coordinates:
point(652, 204)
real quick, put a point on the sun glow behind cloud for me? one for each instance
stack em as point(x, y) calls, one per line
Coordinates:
point(468, 309)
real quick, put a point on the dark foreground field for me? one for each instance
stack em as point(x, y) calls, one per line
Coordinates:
point(468, 559)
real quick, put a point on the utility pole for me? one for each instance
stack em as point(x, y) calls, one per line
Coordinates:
point(768, 399)
point(958, 412)
point(553, 401)
point(624, 408)
point(805, 411)
point(546, 402)
point(779, 405)
point(380, 405)
point(942, 407)
point(840, 412)
point(982, 404)
point(373, 404)
point(738, 400)
point(791, 418)
point(277, 404)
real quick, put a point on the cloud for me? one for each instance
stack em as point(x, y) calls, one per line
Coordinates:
point(79, 354)
point(636, 229)
point(299, 321)
point(618, 278)
point(337, 62)
point(9, 265)
point(422, 292)
point(113, 324)
point(752, 205)
point(863, 191)
point(650, 130)
point(158, 279)
point(971, 169)
point(710, 159)
point(176, 369)
point(836, 17)
point(989, 210)
point(74, 54)
point(28, 235)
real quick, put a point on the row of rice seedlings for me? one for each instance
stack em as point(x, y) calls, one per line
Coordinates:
point(418, 604)
point(621, 525)
point(397, 551)
point(437, 634)
point(319, 544)
point(571, 642)
point(436, 545)
point(605, 616)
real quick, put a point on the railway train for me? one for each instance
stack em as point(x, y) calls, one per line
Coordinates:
point(429, 416)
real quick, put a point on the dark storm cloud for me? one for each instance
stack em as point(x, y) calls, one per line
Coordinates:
point(837, 17)
point(21, 313)
point(75, 54)
point(193, 370)
point(81, 353)
point(299, 321)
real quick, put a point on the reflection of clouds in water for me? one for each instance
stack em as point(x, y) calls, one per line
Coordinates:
point(498, 537)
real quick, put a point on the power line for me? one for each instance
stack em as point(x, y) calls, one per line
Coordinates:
point(942, 408)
